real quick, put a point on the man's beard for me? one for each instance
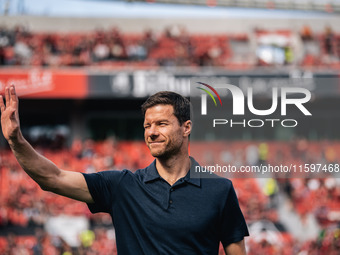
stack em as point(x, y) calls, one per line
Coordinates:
point(170, 150)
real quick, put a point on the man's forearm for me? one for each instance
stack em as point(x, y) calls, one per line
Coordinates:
point(39, 168)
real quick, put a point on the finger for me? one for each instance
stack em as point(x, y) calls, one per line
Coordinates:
point(13, 94)
point(7, 95)
point(2, 105)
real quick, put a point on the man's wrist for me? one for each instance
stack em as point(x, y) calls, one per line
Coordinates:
point(16, 140)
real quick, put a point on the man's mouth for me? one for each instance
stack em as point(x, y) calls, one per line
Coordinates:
point(158, 142)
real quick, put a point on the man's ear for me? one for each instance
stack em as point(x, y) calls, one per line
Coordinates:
point(187, 127)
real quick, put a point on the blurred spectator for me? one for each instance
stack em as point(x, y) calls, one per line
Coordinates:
point(136, 51)
point(101, 51)
point(329, 41)
point(306, 33)
point(22, 50)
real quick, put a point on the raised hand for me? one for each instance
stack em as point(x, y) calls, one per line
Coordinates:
point(10, 123)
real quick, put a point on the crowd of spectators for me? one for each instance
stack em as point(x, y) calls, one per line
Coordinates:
point(20, 47)
point(173, 47)
point(23, 204)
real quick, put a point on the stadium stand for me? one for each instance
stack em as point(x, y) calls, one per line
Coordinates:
point(25, 205)
point(174, 47)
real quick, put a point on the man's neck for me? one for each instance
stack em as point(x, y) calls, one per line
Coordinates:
point(174, 168)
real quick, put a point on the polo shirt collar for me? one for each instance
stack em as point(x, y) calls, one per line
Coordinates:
point(188, 178)
point(152, 173)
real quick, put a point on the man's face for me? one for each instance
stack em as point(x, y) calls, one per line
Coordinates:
point(162, 132)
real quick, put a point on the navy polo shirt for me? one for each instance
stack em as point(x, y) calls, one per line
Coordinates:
point(152, 217)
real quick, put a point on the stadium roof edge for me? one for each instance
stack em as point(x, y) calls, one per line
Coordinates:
point(193, 25)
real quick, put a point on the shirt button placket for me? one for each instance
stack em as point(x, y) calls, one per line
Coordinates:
point(170, 200)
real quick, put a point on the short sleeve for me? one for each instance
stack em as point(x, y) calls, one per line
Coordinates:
point(103, 188)
point(233, 225)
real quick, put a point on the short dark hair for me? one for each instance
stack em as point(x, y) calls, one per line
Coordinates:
point(180, 104)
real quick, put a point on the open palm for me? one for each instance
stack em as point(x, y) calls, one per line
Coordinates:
point(9, 113)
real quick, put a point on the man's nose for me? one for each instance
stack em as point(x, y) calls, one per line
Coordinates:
point(153, 131)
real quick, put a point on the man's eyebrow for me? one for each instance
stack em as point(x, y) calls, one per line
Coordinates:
point(163, 120)
point(157, 121)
